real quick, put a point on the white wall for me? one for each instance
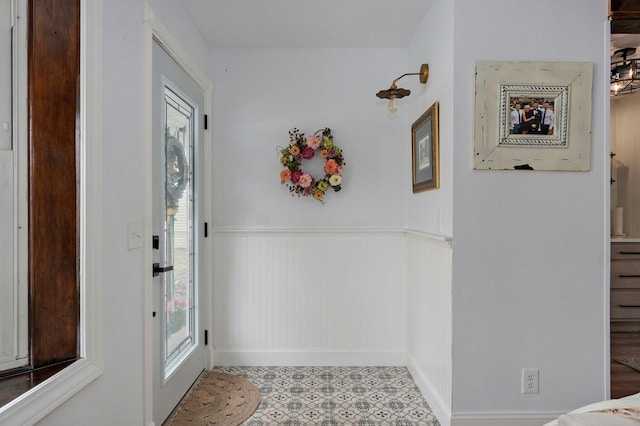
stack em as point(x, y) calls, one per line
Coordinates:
point(429, 262)
point(180, 25)
point(117, 397)
point(260, 94)
point(308, 288)
point(529, 279)
point(432, 211)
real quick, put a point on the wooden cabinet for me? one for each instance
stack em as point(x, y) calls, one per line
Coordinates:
point(625, 316)
point(625, 281)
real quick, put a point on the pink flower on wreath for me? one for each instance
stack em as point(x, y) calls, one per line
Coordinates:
point(338, 171)
point(332, 153)
point(307, 153)
point(307, 191)
point(313, 142)
point(305, 180)
point(331, 167)
point(285, 175)
point(295, 176)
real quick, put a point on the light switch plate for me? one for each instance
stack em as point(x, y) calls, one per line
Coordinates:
point(135, 235)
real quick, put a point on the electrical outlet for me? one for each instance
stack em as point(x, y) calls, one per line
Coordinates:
point(530, 380)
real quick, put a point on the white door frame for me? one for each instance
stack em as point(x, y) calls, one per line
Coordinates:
point(607, 207)
point(155, 28)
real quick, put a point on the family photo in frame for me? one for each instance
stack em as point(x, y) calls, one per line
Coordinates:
point(531, 116)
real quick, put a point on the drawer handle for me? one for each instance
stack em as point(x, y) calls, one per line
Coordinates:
point(629, 306)
point(629, 275)
point(630, 252)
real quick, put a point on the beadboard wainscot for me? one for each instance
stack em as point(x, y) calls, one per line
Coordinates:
point(309, 297)
point(429, 330)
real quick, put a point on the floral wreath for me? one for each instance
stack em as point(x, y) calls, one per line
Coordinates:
point(304, 148)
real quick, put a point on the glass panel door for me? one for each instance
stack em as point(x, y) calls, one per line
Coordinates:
point(179, 352)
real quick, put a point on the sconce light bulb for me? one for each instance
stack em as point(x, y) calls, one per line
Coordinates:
point(616, 88)
point(393, 104)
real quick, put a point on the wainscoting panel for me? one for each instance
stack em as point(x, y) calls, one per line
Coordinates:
point(309, 297)
point(429, 320)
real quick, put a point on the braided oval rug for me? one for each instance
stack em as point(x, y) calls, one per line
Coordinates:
point(216, 398)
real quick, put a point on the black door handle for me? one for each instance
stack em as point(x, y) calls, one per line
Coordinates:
point(157, 269)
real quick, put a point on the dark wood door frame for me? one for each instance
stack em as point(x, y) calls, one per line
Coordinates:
point(53, 109)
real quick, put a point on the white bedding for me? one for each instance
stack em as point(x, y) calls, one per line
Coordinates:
point(613, 412)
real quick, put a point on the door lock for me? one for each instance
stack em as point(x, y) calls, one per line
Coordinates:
point(157, 270)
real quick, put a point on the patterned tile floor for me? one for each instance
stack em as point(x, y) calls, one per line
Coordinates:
point(359, 396)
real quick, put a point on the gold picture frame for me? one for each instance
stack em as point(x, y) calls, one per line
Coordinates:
point(425, 156)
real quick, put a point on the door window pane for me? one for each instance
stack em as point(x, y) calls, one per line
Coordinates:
point(178, 233)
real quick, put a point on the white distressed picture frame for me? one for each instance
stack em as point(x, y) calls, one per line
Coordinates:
point(566, 85)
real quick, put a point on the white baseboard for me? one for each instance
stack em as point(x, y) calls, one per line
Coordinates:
point(310, 358)
point(439, 407)
point(443, 412)
point(502, 419)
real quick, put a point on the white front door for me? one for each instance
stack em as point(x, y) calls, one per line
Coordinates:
point(179, 355)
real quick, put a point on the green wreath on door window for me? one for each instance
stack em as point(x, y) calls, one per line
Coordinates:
point(177, 172)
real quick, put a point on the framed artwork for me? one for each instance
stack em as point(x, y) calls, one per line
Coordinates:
point(425, 156)
point(533, 116)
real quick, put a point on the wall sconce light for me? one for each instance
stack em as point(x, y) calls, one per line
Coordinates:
point(394, 93)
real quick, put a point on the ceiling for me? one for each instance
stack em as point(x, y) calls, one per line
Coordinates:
point(307, 23)
point(324, 23)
